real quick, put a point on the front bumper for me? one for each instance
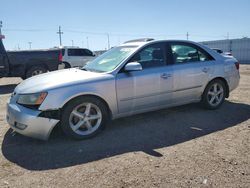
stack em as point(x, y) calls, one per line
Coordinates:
point(26, 122)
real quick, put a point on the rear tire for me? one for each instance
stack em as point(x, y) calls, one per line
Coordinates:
point(66, 65)
point(35, 70)
point(84, 117)
point(214, 94)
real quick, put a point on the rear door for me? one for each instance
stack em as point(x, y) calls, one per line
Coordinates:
point(79, 57)
point(87, 56)
point(75, 57)
point(191, 69)
point(4, 63)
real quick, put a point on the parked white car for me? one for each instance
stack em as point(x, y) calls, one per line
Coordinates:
point(75, 56)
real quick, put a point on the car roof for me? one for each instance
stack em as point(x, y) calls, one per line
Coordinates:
point(142, 43)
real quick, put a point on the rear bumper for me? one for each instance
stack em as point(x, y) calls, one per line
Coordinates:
point(26, 122)
point(234, 81)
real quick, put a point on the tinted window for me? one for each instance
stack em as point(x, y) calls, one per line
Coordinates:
point(150, 56)
point(183, 53)
point(218, 51)
point(88, 52)
point(75, 52)
point(79, 52)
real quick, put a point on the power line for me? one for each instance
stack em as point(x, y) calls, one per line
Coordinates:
point(119, 34)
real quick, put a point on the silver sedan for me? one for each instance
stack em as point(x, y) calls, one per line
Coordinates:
point(135, 77)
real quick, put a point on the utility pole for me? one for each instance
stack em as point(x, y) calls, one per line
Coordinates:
point(108, 41)
point(30, 44)
point(227, 35)
point(72, 43)
point(60, 35)
point(1, 25)
point(87, 38)
point(187, 35)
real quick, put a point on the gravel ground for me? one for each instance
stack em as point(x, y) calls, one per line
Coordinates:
point(184, 146)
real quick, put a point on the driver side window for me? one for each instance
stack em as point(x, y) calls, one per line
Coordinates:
point(150, 56)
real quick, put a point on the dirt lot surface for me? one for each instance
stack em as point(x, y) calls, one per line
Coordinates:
point(185, 146)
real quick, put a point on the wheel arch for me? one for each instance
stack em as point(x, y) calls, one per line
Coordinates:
point(67, 64)
point(90, 95)
point(30, 66)
point(224, 81)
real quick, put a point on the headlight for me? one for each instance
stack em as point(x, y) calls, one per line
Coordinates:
point(31, 99)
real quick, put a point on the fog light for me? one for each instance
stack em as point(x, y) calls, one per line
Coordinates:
point(20, 126)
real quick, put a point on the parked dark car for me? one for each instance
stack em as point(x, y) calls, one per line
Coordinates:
point(27, 63)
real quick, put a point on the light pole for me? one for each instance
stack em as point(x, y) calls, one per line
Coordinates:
point(1, 25)
point(30, 44)
point(87, 38)
point(108, 41)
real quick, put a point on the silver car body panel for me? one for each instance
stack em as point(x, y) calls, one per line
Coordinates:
point(36, 127)
point(126, 93)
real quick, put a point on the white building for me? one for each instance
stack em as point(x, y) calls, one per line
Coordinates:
point(240, 48)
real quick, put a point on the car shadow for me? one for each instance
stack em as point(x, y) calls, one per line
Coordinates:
point(6, 89)
point(144, 132)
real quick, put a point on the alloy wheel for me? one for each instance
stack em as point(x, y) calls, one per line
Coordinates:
point(215, 94)
point(85, 118)
point(37, 72)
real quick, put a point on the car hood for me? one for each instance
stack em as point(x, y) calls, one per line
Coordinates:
point(57, 79)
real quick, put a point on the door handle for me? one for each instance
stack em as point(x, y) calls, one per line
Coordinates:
point(166, 76)
point(205, 70)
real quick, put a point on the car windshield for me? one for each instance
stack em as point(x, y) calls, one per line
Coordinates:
point(110, 60)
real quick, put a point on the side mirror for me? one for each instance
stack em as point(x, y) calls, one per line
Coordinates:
point(133, 66)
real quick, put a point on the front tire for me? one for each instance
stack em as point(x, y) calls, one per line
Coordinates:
point(35, 70)
point(214, 94)
point(84, 117)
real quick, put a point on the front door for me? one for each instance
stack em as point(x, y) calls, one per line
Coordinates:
point(142, 90)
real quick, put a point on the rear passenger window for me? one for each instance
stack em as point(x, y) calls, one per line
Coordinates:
point(75, 52)
point(183, 53)
point(88, 52)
